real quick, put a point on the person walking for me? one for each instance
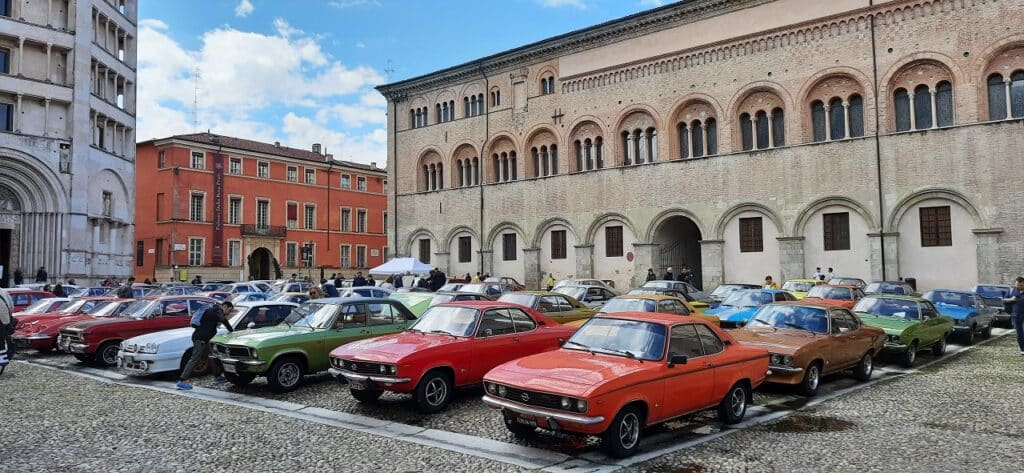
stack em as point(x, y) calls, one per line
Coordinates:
point(668, 275)
point(388, 283)
point(19, 277)
point(399, 281)
point(41, 275)
point(831, 274)
point(1016, 303)
point(769, 283)
point(550, 283)
point(7, 322)
point(125, 291)
point(650, 275)
point(205, 324)
point(817, 274)
point(58, 290)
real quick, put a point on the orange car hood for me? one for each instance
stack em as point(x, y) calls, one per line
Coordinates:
point(782, 341)
point(839, 302)
point(392, 348)
point(564, 371)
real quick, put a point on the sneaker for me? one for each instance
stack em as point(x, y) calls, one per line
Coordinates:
point(222, 380)
point(1022, 353)
point(183, 386)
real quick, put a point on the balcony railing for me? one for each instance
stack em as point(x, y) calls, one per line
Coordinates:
point(276, 231)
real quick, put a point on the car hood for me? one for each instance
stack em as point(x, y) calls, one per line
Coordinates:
point(838, 302)
point(782, 341)
point(110, 322)
point(954, 311)
point(728, 313)
point(565, 371)
point(164, 336)
point(393, 348)
point(891, 325)
point(24, 319)
point(50, 325)
point(279, 333)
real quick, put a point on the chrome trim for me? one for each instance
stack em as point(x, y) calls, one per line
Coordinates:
point(895, 346)
point(33, 337)
point(77, 347)
point(547, 414)
point(778, 369)
point(362, 377)
point(236, 361)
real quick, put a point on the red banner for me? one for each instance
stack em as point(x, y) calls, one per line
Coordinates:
point(218, 209)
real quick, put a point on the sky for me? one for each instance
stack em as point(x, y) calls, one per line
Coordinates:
point(304, 71)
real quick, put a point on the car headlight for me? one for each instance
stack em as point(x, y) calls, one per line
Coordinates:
point(581, 405)
point(150, 348)
point(253, 353)
point(501, 390)
point(393, 369)
point(781, 360)
point(566, 403)
point(491, 387)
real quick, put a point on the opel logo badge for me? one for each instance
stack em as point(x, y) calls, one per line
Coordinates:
point(525, 397)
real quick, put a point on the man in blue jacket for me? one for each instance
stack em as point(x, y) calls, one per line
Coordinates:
point(1016, 303)
point(205, 324)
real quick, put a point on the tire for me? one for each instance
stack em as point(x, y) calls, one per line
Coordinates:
point(433, 392)
point(285, 374)
point(200, 369)
point(366, 396)
point(812, 379)
point(969, 337)
point(240, 379)
point(987, 333)
point(939, 348)
point(623, 435)
point(733, 406)
point(106, 355)
point(865, 367)
point(84, 358)
point(909, 357)
point(519, 430)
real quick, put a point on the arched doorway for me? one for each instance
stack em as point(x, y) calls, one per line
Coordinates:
point(10, 218)
point(260, 263)
point(678, 239)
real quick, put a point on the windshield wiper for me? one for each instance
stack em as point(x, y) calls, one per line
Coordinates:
point(442, 331)
point(798, 327)
point(613, 351)
point(763, 321)
point(579, 345)
point(410, 329)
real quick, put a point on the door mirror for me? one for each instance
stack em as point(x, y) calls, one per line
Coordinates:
point(488, 332)
point(676, 359)
point(561, 341)
point(251, 325)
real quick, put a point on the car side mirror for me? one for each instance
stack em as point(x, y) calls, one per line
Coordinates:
point(251, 325)
point(561, 342)
point(676, 359)
point(727, 342)
point(488, 332)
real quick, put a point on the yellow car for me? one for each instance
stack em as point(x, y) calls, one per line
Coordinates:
point(800, 287)
point(560, 307)
point(658, 303)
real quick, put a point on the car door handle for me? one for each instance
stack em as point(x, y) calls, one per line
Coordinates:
point(709, 365)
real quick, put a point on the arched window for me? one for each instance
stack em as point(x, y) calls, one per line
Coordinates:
point(475, 171)
point(467, 107)
point(554, 159)
point(627, 148)
point(460, 170)
point(684, 140)
point(996, 98)
point(497, 167)
point(599, 150)
point(437, 113)
point(746, 132)
point(778, 127)
point(711, 131)
point(837, 119)
point(762, 129)
point(818, 120)
point(944, 104)
point(697, 138)
point(440, 176)
point(903, 112)
point(426, 177)
point(1017, 94)
point(922, 107)
point(412, 118)
point(856, 115)
point(579, 155)
point(535, 155)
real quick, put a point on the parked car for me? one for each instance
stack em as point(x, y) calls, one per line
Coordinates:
point(42, 306)
point(285, 286)
point(170, 350)
point(800, 287)
point(492, 290)
point(293, 297)
point(911, 324)
point(654, 303)
point(587, 282)
point(993, 295)
point(88, 292)
point(698, 306)
point(180, 290)
point(211, 286)
point(620, 374)
point(452, 286)
point(241, 297)
point(366, 291)
point(808, 340)
point(843, 296)
point(41, 334)
point(740, 305)
point(218, 295)
point(683, 286)
point(847, 281)
point(73, 307)
point(99, 340)
point(22, 298)
point(590, 296)
point(969, 313)
point(300, 345)
point(889, 287)
point(723, 291)
point(419, 302)
point(451, 345)
point(508, 281)
point(559, 307)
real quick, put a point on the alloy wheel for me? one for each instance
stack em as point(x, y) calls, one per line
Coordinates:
point(812, 377)
point(738, 401)
point(436, 392)
point(289, 374)
point(109, 355)
point(629, 430)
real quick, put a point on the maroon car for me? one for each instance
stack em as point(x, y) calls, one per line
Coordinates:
point(41, 334)
point(98, 340)
point(23, 298)
point(75, 307)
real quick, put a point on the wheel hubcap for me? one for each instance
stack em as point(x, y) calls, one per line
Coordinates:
point(110, 355)
point(912, 354)
point(289, 374)
point(436, 392)
point(629, 430)
point(812, 378)
point(738, 401)
point(867, 364)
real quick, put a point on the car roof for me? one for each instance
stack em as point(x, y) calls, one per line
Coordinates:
point(585, 286)
point(264, 303)
point(898, 296)
point(844, 286)
point(803, 280)
point(957, 291)
point(651, 297)
point(480, 305)
point(846, 277)
point(820, 305)
point(664, 280)
point(657, 317)
point(888, 282)
point(343, 300)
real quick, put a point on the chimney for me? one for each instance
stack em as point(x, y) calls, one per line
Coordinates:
point(316, 148)
point(328, 157)
point(373, 165)
point(277, 144)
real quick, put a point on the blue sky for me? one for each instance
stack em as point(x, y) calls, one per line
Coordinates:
point(303, 71)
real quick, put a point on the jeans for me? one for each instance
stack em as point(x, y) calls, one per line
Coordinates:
point(200, 351)
point(1018, 325)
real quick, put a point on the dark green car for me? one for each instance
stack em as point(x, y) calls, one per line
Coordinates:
point(300, 345)
point(911, 324)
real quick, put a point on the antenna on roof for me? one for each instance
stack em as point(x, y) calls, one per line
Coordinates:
point(389, 70)
point(195, 99)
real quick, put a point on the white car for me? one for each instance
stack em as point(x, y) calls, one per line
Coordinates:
point(366, 291)
point(170, 350)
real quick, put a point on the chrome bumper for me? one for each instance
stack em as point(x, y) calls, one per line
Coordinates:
point(779, 369)
point(236, 361)
point(894, 346)
point(37, 336)
point(540, 412)
point(362, 377)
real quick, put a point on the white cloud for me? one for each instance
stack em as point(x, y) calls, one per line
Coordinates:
point(244, 9)
point(259, 86)
point(580, 4)
point(360, 44)
point(353, 3)
point(652, 3)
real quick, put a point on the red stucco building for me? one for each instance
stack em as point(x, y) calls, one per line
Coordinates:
point(230, 208)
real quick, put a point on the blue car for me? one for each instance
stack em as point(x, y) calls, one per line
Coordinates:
point(739, 306)
point(249, 297)
point(969, 313)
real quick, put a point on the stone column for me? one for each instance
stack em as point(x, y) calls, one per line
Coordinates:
point(21, 56)
point(935, 115)
point(987, 240)
point(584, 261)
point(846, 119)
point(46, 116)
point(629, 149)
point(49, 61)
point(828, 123)
point(485, 261)
point(892, 262)
point(771, 131)
point(1008, 103)
point(645, 256)
point(17, 114)
point(531, 269)
point(791, 258)
point(913, 116)
point(441, 261)
point(712, 260)
point(704, 139)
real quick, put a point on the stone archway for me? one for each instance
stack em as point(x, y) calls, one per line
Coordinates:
point(678, 241)
point(260, 263)
point(10, 233)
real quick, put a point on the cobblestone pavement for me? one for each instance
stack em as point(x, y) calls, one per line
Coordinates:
point(956, 415)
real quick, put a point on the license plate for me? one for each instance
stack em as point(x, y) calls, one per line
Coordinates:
point(229, 368)
point(357, 385)
point(529, 422)
point(21, 342)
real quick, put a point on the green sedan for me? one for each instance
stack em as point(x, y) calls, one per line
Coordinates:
point(911, 324)
point(560, 307)
point(300, 345)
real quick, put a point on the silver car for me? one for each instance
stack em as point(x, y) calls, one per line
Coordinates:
point(697, 294)
point(591, 296)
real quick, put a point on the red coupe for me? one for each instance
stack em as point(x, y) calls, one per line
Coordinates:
point(621, 373)
point(22, 298)
point(41, 334)
point(450, 345)
point(75, 307)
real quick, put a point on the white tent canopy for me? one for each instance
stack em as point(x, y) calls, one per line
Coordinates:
point(402, 266)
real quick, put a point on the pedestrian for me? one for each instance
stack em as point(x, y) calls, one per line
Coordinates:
point(370, 281)
point(668, 275)
point(550, 282)
point(831, 274)
point(476, 278)
point(1016, 303)
point(41, 275)
point(125, 291)
point(686, 275)
point(334, 276)
point(817, 274)
point(19, 277)
point(423, 283)
point(388, 283)
point(438, 280)
point(769, 283)
point(58, 290)
point(398, 282)
point(107, 283)
point(47, 288)
point(328, 289)
point(650, 274)
point(146, 281)
point(466, 278)
point(339, 280)
point(359, 280)
point(316, 293)
point(205, 323)
point(485, 277)
point(7, 322)
point(293, 278)
point(71, 281)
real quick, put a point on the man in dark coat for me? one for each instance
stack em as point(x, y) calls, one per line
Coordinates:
point(41, 275)
point(437, 279)
point(205, 324)
point(668, 275)
point(19, 277)
point(125, 291)
point(359, 280)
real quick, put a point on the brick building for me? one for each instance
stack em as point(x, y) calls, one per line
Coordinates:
point(229, 208)
point(740, 137)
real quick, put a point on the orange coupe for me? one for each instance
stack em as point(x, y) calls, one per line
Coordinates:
point(842, 296)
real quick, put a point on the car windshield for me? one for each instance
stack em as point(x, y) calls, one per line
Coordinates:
point(572, 291)
point(107, 309)
point(137, 309)
point(825, 292)
point(75, 307)
point(747, 299)
point(628, 305)
point(961, 299)
point(475, 288)
point(518, 298)
point(647, 291)
point(884, 288)
point(441, 299)
point(312, 315)
point(458, 321)
point(38, 307)
point(887, 307)
point(797, 286)
point(809, 319)
point(630, 338)
point(993, 291)
point(236, 315)
point(722, 291)
point(844, 282)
